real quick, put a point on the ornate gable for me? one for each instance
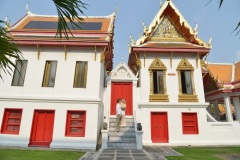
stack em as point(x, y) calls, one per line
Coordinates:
point(184, 65)
point(122, 72)
point(166, 29)
point(157, 64)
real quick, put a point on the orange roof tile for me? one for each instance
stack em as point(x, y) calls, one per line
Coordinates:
point(237, 71)
point(223, 72)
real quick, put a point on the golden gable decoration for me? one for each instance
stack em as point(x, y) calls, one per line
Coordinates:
point(185, 65)
point(166, 29)
point(157, 64)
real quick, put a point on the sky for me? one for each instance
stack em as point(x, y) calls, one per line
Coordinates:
point(212, 21)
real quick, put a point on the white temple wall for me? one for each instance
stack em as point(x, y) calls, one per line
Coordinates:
point(59, 140)
point(64, 75)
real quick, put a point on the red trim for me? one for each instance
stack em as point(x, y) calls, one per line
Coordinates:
point(80, 123)
point(189, 123)
point(217, 92)
point(171, 50)
point(67, 43)
point(236, 82)
point(12, 118)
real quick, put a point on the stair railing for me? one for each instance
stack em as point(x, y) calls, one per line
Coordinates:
point(138, 133)
point(105, 132)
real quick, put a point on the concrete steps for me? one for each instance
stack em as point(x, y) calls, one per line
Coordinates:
point(125, 138)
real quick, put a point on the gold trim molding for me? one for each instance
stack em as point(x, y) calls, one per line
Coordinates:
point(38, 52)
point(158, 98)
point(187, 98)
point(103, 55)
point(185, 65)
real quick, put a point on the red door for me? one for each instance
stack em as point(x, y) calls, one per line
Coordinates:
point(42, 128)
point(159, 127)
point(121, 90)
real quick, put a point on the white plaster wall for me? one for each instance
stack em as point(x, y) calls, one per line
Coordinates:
point(64, 75)
point(210, 133)
point(59, 139)
point(171, 81)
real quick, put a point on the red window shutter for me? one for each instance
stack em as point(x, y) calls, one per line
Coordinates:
point(189, 123)
point(75, 125)
point(11, 121)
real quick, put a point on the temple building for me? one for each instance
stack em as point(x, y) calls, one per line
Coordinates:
point(64, 93)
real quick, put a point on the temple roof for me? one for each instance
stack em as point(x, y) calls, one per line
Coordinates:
point(35, 27)
point(41, 30)
point(170, 25)
point(221, 76)
point(168, 32)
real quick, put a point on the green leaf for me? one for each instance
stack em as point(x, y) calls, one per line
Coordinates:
point(68, 10)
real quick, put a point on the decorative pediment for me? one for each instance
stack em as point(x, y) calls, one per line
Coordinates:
point(122, 71)
point(184, 65)
point(157, 64)
point(166, 29)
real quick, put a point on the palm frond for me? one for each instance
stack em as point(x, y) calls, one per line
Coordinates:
point(8, 50)
point(68, 10)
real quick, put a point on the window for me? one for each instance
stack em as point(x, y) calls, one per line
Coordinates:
point(11, 121)
point(189, 123)
point(186, 82)
point(49, 74)
point(158, 90)
point(80, 79)
point(19, 73)
point(76, 123)
point(158, 86)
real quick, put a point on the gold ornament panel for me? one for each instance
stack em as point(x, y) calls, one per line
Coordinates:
point(166, 30)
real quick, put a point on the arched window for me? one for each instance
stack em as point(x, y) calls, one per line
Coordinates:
point(158, 91)
point(186, 82)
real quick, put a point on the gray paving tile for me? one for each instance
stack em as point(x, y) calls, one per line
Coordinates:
point(138, 155)
point(140, 158)
point(107, 155)
point(123, 155)
point(105, 158)
point(137, 151)
point(124, 158)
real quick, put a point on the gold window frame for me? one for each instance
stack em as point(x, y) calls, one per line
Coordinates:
point(157, 64)
point(184, 65)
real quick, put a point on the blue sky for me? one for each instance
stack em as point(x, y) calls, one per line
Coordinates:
point(212, 21)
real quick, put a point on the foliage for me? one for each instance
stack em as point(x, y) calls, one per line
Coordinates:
point(203, 153)
point(19, 154)
point(8, 49)
point(68, 9)
point(237, 29)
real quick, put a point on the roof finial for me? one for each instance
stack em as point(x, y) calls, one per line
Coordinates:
point(7, 22)
point(28, 8)
point(132, 41)
point(160, 3)
point(144, 27)
point(122, 59)
point(129, 48)
point(210, 41)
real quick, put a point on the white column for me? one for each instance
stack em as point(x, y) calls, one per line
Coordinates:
point(227, 104)
point(216, 110)
point(236, 103)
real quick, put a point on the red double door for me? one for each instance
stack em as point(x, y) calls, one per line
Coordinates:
point(159, 127)
point(42, 128)
point(121, 90)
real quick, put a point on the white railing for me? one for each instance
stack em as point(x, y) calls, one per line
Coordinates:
point(210, 118)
